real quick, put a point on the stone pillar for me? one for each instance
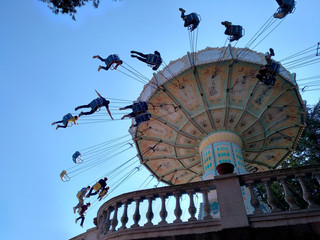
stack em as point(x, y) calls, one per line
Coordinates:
point(218, 148)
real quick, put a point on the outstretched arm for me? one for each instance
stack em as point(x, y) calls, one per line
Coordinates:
point(98, 93)
point(109, 112)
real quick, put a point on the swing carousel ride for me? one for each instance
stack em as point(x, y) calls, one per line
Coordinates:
point(207, 109)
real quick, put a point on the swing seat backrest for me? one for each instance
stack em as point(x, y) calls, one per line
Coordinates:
point(273, 68)
point(288, 4)
point(111, 59)
point(154, 59)
point(235, 30)
point(76, 157)
point(97, 186)
point(96, 103)
point(139, 107)
point(142, 118)
point(64, 176)
point(192, 18)
point(66, 118)
point(103, 193)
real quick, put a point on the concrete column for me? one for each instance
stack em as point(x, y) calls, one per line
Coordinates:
point(232, 210)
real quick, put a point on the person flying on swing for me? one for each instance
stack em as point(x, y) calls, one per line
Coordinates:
point(151, 59)
point(234, 31)
point(285, 7)
point(80, 195)
point(95, 105)
point(111, 59)
point(81, 212)
point(191, 20)
point(138, 108)
point(65, 120)
point(267, 72)
point(98, 187)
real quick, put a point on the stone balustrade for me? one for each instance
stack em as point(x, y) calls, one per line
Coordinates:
point(115, 222)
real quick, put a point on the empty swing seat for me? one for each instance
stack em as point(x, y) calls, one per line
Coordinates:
point(64, 176)
point(76, 157)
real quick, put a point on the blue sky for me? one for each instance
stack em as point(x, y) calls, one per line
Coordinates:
point(47, 70)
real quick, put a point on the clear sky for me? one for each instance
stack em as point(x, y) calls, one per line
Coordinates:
point(47, 69)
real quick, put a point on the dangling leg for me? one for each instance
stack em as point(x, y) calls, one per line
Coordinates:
point(62, 126)
point(126, 107)
point(89, 113)
point(182, 13)
point(141, 59)
point(56, 122)
point(104, 68)
point(82, 220)
point(100, 58)
point(139, 53)
point(82, 106)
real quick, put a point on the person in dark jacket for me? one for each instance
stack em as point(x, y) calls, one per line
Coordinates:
point(81, 213)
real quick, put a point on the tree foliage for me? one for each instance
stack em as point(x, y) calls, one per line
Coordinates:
point(68, 6)
point(307, 151)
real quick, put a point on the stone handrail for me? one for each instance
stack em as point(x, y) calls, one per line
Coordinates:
point(112, 226)
point(281, 176)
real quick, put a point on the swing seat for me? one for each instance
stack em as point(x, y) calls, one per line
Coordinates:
point(142, 118)
point(97, 186)
point(154, 60)
point(64, 176)
point(139, 107)
point(77, 158)
point(273, 68)
point(103, 193)
point(235, 30)
point(113, 58)
point(288, 5)
point(96, 103)
point(269, 80)
point(192, 18)
point(66, 118)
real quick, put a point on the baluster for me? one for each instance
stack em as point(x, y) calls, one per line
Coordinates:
point(177, 210)
point(149, 214)
point(270, 198)
point(114, 221)
point(136, 215)
point(124, 218)
point(306, 193)
point(102, 219)
point(163, 212)
point(317, 175)
point(288, 195)
point(254, 201)
point(206, 207)
point(106, 225)
point(192, 209)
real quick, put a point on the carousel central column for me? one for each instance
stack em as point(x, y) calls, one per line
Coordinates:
point(221, 152)
point(218, 148)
